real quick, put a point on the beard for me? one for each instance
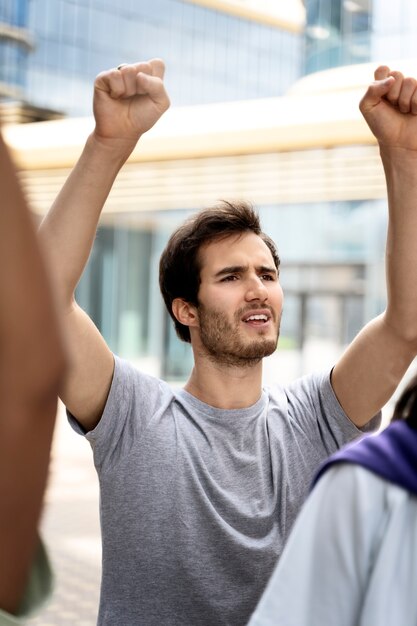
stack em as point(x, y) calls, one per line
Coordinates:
point(224, 344)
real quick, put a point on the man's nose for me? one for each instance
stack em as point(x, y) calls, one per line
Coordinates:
point(256, 289)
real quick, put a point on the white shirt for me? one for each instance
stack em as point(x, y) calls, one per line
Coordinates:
point(351, 559)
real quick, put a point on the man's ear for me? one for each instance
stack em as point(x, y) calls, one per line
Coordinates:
point(185, 312)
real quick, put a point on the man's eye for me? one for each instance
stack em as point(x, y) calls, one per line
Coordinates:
point(267, 277)
point(228, 279)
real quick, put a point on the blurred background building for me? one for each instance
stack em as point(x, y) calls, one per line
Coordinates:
point(264, 106)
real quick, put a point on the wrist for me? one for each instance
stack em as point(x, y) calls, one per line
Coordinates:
point(116, 150)
point(397, 154)
point(400, 165)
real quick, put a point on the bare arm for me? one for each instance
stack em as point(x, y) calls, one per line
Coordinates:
point(127, 103)
point(31, 362)
point(368, 373)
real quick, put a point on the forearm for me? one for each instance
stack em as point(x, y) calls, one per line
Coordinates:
point(67, 232)
point(401, 254)
point(27, 418)
point(24, 459)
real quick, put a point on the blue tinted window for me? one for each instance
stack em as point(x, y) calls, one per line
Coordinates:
point(209, 55)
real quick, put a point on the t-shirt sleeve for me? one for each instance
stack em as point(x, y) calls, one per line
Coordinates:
point(38, 590)
point(323, 570)
point(133, 399)
point(313, 395)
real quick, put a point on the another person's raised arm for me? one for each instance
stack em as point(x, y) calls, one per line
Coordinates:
point(31, 365)
point(127, 103)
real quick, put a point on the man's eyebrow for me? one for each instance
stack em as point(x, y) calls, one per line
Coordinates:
point(267, 269)
point(241, 269)
point(232, 269)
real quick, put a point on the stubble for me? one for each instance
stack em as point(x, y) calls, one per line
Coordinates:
point(225, 345)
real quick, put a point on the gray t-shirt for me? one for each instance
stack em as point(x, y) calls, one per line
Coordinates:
point(197, 502)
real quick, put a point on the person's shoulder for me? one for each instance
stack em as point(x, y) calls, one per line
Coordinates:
point(302, 384)
point(129, 380)
point(125, 369)
point(320, 379)
point(305, 390)
point(353, 481)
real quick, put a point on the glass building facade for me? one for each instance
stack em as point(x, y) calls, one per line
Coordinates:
point(16, 44)
point(211, 56)
point(347, 32)
point(337, 33)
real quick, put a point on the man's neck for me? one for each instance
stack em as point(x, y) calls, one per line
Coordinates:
point(225, 387)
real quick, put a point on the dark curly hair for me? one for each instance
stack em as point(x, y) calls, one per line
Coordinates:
point(179, 267)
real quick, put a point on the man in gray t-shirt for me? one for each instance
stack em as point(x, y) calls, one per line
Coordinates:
point(200, 487)
point(197, 502)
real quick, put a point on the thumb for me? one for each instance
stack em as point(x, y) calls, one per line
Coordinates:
point(375, 92)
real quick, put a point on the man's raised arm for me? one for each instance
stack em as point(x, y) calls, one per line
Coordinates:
point(127, 102)
point(368, 373)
